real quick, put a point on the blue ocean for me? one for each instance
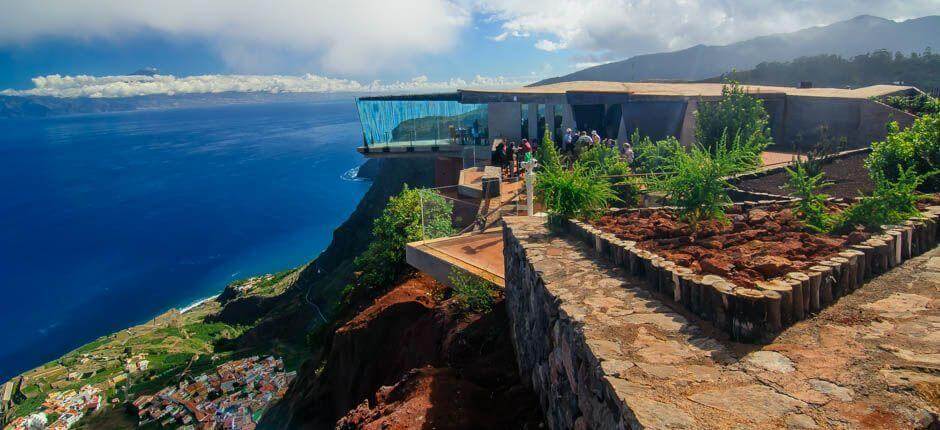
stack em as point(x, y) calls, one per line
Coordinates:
point(107, 220)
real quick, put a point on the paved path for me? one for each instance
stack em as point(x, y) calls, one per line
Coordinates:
point(872, 360)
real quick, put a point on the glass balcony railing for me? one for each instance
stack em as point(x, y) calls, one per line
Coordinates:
point(387, 123)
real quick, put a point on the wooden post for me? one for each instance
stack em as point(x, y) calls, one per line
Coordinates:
point(786, 298)
point(772, 310)
point(859, 262)
point(851, 268)
point(898, 242)
point(679, 282)
point(706, 295)
point(665, 276)
point(723, 305)
point(869, 256)
point(747, 325)
point(707, 283)
point(908, 229)
point(803, 280)
point(880, 261)
point(816, 274)
point(652, 276)
point(629, 256)
point(844, 281)
point(827, 290)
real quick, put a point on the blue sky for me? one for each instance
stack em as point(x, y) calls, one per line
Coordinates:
point(365, 40)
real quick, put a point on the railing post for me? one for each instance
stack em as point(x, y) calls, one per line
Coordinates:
point(530, 186)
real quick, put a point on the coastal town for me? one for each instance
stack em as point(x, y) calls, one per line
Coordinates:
point(156, 361)
point(233, 397)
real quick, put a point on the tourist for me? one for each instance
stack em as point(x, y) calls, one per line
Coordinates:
point(513, 157)
point(525, 150)
point(628, 155)
point(567, 142)
point(595, 137)
point(475, 132)
point(583, 143)
point(498, 157)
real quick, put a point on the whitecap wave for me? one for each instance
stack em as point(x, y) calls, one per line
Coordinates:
point(352, 175)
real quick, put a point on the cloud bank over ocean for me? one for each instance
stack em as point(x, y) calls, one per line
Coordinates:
point(139, 85)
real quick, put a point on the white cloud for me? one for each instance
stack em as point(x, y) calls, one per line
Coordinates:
point(622, 28)
point(130, 86)
point(342, 36)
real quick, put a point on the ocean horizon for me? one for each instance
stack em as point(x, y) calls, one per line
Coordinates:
point(111, 219)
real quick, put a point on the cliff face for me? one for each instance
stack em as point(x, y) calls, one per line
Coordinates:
point(410, 361)
point(318, 285)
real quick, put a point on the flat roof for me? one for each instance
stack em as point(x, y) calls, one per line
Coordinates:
point(688, 89)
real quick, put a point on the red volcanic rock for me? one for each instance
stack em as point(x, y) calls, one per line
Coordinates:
point(681, 259)
point(717, 266)
point(757, 216)
point(771, 265)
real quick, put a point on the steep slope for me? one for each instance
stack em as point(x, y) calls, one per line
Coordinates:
point(851, 37)
point(318, 285)
point(411, 361)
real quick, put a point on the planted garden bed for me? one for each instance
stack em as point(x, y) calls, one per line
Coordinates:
point(847, 174)
point(758, 273)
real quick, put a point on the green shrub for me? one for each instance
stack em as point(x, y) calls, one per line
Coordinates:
point(738, 115)
point(919, 104)
point(916, 147)
point(473, 293)
point(650, 156)
point(811, 208)
point(412, 215)
point(574, 193)
point(547, 154)
point(607, 163)
point(891, 202)
point(696, 182)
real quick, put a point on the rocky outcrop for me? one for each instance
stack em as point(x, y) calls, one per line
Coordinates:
point(407, 361)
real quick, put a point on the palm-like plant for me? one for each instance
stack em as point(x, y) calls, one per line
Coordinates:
point(696, 182)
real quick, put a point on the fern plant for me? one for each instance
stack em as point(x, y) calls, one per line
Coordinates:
point(574, 193)
point(891, 202)
point(811, 209)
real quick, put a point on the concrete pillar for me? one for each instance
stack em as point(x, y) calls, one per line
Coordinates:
point(504, 120)
point(549, 120)
point(687, 132)
point(533, 121)
point(567, 118)
point(622, 131)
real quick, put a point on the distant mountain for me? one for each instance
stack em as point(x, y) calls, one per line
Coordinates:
point(146, 71)
point(921, 70)
point(846, 38)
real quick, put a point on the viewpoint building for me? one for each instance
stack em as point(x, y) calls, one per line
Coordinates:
point(459, 128)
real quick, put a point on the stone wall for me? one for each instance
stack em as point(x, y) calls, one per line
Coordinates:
point(550, 345)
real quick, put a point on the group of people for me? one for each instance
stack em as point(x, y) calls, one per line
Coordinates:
point(510, 156)
point(575, 143)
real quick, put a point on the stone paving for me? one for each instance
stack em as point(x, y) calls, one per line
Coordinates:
point(604, 352)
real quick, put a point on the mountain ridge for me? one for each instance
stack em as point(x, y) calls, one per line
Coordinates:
point(859, 35)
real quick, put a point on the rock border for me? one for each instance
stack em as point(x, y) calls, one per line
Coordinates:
point(755, 315)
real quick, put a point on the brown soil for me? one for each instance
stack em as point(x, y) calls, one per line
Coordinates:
point(848, 175)
point(758, 245)
point(412, 361)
